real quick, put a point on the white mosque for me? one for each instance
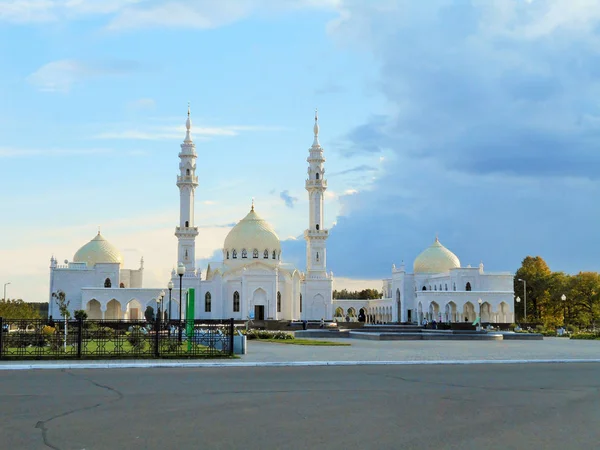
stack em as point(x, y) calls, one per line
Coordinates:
point(252, 281)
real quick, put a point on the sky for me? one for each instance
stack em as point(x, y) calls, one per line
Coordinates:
point(476, 120)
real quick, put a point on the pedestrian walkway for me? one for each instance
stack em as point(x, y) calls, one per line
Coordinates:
point(362, 352)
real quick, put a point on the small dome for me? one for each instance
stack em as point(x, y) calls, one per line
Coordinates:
point(435, 259)
point(98, 250)
point(252, 233)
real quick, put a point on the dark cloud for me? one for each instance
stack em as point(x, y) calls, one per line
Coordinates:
point(287, 198)
point(361, 168)
point(494, 134)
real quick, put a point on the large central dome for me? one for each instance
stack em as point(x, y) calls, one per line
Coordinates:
point(98, 250)
point(436, 259)
point(251, 234)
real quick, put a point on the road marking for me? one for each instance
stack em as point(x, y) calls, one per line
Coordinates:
point(207, 364)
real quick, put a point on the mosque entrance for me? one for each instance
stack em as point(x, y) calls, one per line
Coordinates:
point(259, 312)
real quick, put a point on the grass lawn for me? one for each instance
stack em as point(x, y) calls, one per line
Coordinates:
point(304, 342)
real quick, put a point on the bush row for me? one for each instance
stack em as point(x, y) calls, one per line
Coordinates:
point(265, 334)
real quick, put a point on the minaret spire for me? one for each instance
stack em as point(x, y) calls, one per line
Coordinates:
point(316, 185)
point(316, 129)
point(188, 126)
point(187, 181)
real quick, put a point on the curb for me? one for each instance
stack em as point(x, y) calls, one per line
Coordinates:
point(160, 364)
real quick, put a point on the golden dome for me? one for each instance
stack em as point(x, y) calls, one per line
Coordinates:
point(98, 250)
point(436, 259)
point(252, 233)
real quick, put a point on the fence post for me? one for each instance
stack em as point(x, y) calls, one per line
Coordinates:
point(79, 337)
point(1, 336)
point(157, 336)
point(231, 336)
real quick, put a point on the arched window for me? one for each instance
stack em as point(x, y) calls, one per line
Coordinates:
point(300, 302)
point(122, 285)
point(187, 172)
point(440, 287)
point(227, 254)
point(317, 256)
point(273, 254)
point(234, 254)
point(107, 283)
point(279, 255)
point(446, 286)
point(317, 175)
point(468, 286)
point(317, 227)
point(207, 302)
point(424, 288)
point(236, 301)
point(244, 253)
point(454, 287)
point(435, 287)
point(255, 253)
point(266, 254)
point(278, 301)
point(429, 287)
point(187, 223)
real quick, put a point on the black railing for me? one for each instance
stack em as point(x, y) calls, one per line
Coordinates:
point(105, 339)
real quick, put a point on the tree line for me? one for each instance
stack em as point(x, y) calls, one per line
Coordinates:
point(365, 294)
point(545, 291)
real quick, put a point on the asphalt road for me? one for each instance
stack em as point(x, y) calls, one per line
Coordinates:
point(540, 406)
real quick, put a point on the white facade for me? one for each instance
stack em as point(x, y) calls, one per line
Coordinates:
point(440, 290)
point(251, 280)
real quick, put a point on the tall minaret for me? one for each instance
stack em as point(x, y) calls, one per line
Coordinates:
point(187, 181)
point(316, 234)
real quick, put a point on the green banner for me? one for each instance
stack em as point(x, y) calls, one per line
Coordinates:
point(189, 316)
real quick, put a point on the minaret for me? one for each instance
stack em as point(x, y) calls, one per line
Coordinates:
point(187, 181)
point(316, 234)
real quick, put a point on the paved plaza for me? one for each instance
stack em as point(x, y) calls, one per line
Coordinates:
point(362, 350)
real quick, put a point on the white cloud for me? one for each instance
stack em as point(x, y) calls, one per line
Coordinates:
point(142, 103)
point(62, 75)
point(128, 14)
point(25, 152)
point(27, 11)
point(177, 132)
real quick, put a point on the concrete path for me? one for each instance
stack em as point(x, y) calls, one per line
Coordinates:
point(365, 352)
point(368, 407)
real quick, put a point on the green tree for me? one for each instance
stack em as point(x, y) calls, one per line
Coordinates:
point(583, 299)
point(63, 307)
point(149, 313)
point(80, 314)
point(18, 309)
point(536, 273)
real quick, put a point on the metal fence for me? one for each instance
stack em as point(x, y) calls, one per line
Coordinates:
point(105, 339)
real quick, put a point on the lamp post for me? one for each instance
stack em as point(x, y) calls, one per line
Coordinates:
point(524, 300)
point(564, 298)
point(170, 286)
point(480, 302)
point(180, 272)
point(5, 284)
point(518, 299)
point(158, 300)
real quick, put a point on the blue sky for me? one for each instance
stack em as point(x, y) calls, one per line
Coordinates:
point(476, 120)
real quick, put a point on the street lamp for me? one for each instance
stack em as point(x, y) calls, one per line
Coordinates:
point(180, 272)
point(170, 286)
point(518, 299)
point(563, 298)
point(158, 300)
point(480, 302)
point(5, 284)
point(524, 300)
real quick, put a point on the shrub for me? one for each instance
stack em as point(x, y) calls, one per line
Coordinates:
point(512, 326)
point(572, 329)
point(264, 334)
point(589, 336)
point(136, 338)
